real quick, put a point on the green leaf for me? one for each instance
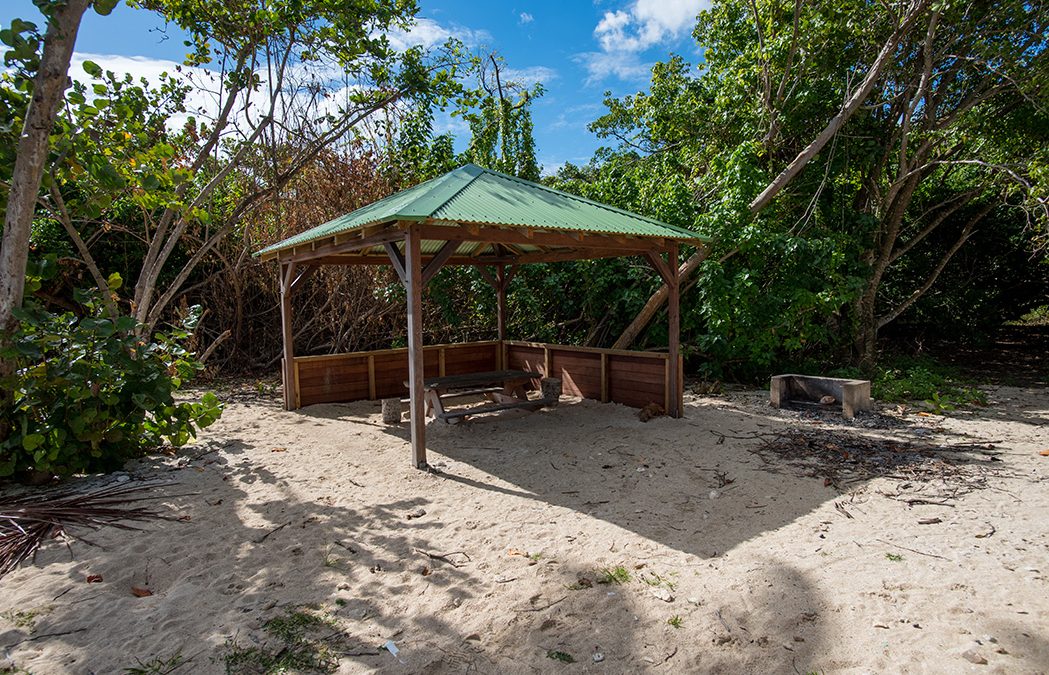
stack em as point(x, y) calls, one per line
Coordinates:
point(32, 441)
point(92, 69)
point(104, 7)
point(115, 281)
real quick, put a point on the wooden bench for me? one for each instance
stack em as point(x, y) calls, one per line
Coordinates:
point(449, 415)
point(506, 389)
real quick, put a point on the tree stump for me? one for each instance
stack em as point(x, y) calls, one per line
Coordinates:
point(551, 390)
point(391, 411)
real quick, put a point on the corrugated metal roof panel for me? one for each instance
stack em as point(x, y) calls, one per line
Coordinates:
point(471, 194)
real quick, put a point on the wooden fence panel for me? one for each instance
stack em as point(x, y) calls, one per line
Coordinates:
point(631, 378)
point(357, 376)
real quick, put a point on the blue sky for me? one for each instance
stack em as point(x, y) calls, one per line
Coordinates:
point(578, 49)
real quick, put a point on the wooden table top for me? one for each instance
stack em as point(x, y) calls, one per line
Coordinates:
point(489, 378)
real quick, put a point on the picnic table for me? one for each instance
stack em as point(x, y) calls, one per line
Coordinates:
point(506, 389)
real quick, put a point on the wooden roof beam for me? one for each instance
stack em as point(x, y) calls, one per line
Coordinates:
point(512, 236)
point(324, 250)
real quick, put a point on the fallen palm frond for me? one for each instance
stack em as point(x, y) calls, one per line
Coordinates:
point(27, 522)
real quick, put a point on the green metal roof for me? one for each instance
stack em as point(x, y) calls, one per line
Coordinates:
point(472, 194)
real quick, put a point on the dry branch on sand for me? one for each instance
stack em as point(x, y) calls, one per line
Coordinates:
point(843, 458)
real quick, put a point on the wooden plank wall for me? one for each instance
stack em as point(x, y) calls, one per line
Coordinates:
point(631, 378)
point(356, 376)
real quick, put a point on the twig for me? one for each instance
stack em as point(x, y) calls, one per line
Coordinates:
point(669, 656)
point(374, 652)
point(446, 557)
point(931, 555)
point(259, 540)
point(539, 609)
point(45, 635)
point(921, 502)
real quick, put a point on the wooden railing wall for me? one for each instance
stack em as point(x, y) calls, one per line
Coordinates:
point(379, 374)
point(631, 378)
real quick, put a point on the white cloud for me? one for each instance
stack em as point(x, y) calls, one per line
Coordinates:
point(624, 33)
point(529, 76)
point(428, 33)
point(199, 100)
point(626, 65)
point(312, 90)
point(524, 18)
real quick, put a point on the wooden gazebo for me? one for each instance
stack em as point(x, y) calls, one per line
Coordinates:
point(475, 216)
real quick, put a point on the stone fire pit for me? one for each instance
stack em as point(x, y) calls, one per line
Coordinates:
point(812, 390)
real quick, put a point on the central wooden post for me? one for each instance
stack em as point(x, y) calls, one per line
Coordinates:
point(287, 274)
point(674, 330)
point(413, 277)
point(500, 300)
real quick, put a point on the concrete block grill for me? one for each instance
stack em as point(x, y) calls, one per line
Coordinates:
point(852, 395)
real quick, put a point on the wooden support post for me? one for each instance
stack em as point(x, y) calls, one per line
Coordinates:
point(604, 377)
point(372, 392)
point(414, 285)
point(500, 300)
point(288, 336)
point(674, 383)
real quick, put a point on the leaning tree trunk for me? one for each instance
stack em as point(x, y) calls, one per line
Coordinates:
point(849, 107)
point(31, 156)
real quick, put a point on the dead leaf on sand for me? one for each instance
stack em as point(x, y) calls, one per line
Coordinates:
point(94, 579)
point(140, 592)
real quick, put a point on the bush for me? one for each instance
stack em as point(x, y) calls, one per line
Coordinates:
point(924, 380)
point(88, 394)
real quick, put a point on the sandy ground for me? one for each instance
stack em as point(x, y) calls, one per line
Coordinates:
point(760, 568)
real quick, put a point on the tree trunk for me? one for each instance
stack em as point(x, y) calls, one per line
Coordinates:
point(50, 82)
point(658, 299)
point(889, 230)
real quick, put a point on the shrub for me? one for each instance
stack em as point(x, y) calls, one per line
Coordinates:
point(924, 380)
point(87, 393)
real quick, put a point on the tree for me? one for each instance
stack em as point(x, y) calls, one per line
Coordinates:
point(288, 81)
point(771, 100)
point(45, 96)
point(500, 118)
point(937, 84)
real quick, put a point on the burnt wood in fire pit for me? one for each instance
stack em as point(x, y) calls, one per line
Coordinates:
point(853, 395)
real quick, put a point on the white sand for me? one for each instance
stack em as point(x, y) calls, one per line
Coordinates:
point(769, 576)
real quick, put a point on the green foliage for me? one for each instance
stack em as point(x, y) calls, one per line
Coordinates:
point(676, 621)
point(923, 379)
point(799, 278)
point(563, 657)
point(299, 647)
point(88, 394)
point(657, 581)
point(894, 557)
point(157, 665)
point(613, 575)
